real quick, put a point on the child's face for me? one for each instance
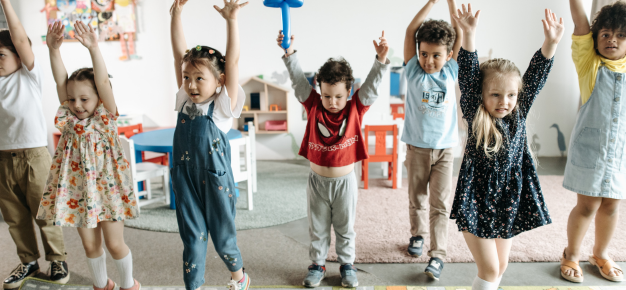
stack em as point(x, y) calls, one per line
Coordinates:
point(10, 62)
point(199, 83)
point(433, 56)
point(611, 44)
point(83, 98)
point(500, 95)
point(334, 97)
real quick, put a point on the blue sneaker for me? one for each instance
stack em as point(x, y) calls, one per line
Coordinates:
point(348, 276)
point(416, 245)
point(315, 276)
point(434, 268)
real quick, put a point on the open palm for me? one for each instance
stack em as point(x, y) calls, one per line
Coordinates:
point(467, 20)
point(86, 35)
point(552, 29)
point(231, 9)
point(177, 6)
point(54, 38)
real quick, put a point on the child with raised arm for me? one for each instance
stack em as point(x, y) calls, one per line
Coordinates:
point(430, 52)
point(498, 195)
point(24, 157)
point(207, 101)
point(595, 163)
point(333, 143)
point(89, 185)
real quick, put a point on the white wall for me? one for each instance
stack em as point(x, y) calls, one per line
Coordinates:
point(323, 29)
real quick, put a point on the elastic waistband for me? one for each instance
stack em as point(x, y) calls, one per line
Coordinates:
point(350, 175)
point(30, 152)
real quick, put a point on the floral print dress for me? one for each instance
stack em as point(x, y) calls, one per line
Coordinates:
point(90, 180)
point(499, 197)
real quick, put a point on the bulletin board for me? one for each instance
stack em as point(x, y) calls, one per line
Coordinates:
point(111, 18)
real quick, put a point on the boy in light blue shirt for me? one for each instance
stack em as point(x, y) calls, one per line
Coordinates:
point(430, 131)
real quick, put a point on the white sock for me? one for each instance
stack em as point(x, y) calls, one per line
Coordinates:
point(498, 281)
point(125, 269)
point(98, 269)
point(480, 284)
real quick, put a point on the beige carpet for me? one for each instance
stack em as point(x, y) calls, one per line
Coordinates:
point(382, 228)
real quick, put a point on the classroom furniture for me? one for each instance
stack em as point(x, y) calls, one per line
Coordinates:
point(131, 130)
point(382, 153)
point(144, 171)
point(260, 94)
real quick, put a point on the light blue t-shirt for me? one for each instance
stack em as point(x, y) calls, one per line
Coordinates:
point(430, 109)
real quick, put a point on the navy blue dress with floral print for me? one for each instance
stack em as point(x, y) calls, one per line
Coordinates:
point(499, 197)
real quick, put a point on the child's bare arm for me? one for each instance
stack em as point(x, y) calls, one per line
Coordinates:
point(409, 39)
point(553, 31)
point(88, 38)
point(54, 39)
point(230, 12)
point(581, 22)
point(468, 23)
point(177, 35)
point(18, 36)
point(459, 32)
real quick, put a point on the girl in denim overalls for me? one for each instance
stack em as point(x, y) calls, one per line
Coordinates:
point(596, 168)
point(209, 98)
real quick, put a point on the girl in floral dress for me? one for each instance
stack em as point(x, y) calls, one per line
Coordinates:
point(498, 194)
point(89, 185)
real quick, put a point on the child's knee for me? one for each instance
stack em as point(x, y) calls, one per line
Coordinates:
point(490, 273)
point(588, 209)
point(609, 206)
point(116, 246)
point(503, 266)
point(93, 249)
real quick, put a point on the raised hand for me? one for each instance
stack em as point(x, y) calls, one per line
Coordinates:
point(86, 35)
point(54, 38)
point(382, 48)
point(177, 7)
point(231, 9)
point(279, 40)
point(552, 29)
point(466, 18)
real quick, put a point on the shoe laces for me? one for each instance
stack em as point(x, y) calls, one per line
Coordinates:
point(19, 271)
point(234, 285)
point(56, 267)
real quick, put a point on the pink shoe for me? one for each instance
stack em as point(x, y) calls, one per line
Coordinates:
point(110, 286)
point(137, 286)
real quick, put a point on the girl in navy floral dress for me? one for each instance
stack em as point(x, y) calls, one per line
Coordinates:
point(498, 194)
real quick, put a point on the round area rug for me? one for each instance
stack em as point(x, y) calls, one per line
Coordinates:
point(280, 198)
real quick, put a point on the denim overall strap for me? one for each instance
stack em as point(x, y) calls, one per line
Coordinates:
point(205, 199)
point(595, 164)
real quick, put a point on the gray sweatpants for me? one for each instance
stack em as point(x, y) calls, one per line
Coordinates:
point(332, 201)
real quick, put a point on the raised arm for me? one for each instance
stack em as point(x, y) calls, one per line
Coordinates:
point(469, 68)
point(177, 36)
point(459, 32)
point(88, 38)
point(369, 90)
point(581, 22)
point(410, 47)
point(54, 39)
point(468, 23)
point(18, 35)
point(230, 12)
point(534, 79)
point(299, 83)
point(553, 32)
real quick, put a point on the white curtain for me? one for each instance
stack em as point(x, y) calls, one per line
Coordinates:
point(597, 5)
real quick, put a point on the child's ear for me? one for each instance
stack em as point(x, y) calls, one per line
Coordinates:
point(222, 80)
point(449, 57)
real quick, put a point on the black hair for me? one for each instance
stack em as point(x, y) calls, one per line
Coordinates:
point(335, 71)
point(207, 56)
point(438, 32)
point(6, 41)
point(612, 17)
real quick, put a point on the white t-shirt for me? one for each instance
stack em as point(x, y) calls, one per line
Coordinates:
point(222, 114)
point(22, 122)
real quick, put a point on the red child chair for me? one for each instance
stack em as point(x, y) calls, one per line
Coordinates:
point(131, 130)
point(381, 154)
point(397, 110)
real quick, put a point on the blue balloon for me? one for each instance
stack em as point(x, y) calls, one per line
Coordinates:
point(284, 5)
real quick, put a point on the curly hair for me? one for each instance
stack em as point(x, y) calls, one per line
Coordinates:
point(436, 31)
point(85, 74)
point(207, 56)
point(6, 41)
point(335, 71)
point(612, 17)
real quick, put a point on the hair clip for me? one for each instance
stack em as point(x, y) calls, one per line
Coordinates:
point(187, 51)
point(211, 51)
point(198, 48)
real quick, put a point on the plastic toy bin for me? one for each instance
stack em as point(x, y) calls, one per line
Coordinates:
point(276, 125)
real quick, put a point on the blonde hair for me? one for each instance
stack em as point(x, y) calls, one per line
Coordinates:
point(485, 126)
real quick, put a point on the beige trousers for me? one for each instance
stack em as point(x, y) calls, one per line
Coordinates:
point(23, 178)
point(430, 169)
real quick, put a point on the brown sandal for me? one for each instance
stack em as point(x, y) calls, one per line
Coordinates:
point(567, 264)
point(605, 267)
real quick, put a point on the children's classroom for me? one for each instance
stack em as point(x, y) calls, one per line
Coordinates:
point(280, 144)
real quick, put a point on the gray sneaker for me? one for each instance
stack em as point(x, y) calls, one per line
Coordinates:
point(315, 276)
point(348, 276)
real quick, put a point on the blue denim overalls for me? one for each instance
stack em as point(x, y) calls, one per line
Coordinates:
point(205, 195)
point(595, 163)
